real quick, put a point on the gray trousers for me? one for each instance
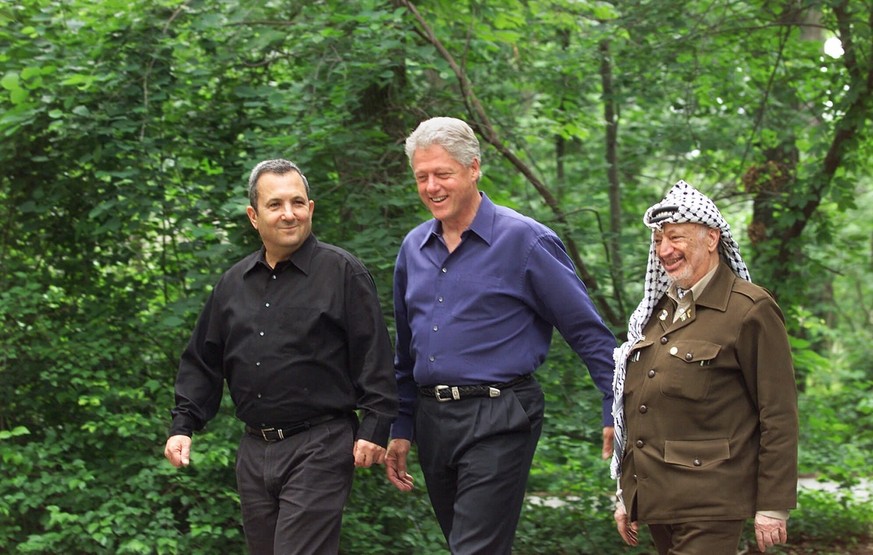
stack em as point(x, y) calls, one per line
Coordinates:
point(293, 491)
point(476, 455)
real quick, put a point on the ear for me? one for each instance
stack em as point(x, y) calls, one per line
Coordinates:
point(713, 237)
point(474, 170)
point(253, 216)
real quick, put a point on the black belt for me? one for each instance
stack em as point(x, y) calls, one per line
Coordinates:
point(278, 434)
point(458, 392)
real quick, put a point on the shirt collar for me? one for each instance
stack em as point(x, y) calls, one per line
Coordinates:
point(483, 223)
point(301, 258)
point(718, 291)
point(696, 289)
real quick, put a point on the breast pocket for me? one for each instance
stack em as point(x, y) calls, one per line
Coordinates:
point(477, 298)
point(689, 369)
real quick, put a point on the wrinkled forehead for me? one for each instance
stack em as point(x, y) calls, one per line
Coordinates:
point(680, 228)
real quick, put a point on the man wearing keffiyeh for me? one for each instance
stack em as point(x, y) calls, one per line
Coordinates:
point(705, 400)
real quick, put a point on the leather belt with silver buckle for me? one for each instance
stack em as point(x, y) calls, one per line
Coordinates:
point(278, 434)
point(443, 393)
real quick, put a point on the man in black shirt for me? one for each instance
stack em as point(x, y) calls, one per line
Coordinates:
point(297, 331)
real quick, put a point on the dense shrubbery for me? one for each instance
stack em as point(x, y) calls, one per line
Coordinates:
point(126, 132)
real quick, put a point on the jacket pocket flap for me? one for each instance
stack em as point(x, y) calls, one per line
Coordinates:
point(633, 354)
point(696, 454)
point(690, 350)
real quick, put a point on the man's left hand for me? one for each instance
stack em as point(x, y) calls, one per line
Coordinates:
point(770, 531)
point(367, 454)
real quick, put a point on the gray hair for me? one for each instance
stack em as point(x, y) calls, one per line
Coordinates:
point(278, 167)
point(452, 134)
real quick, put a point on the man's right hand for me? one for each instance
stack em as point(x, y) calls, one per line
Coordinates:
point(395, 464)
point(178, 450)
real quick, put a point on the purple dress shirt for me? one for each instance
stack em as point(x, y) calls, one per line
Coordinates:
point(485, 312)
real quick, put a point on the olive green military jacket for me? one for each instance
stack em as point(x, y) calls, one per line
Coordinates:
point(711, 408)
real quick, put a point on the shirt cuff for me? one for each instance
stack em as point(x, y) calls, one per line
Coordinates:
point(402, 428)
point(606, 413)
point(182, 426)
point(781, 515)
point(374, 428)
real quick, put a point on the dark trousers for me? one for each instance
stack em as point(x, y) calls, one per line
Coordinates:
point(293, 491)
point(476, 454)
point(718, 537)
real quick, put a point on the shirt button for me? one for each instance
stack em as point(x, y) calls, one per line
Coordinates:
point(431, 358)
point(689, 356)
point(274, 277)
point(697, 462)
point(673, 350)
point(644, 409)
point(436, 328)
point(261, 334)
point(258, 363)
point(651, 373)
point(664, 340)
point(439, 299)
point(267, 305)
point(259, 395)
point(640, 443)
point(444, 270)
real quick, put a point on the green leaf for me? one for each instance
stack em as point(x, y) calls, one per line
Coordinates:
point(14, 432)
point(10, 81)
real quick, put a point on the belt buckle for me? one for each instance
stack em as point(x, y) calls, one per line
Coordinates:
point(265, 430)
point(456, 395)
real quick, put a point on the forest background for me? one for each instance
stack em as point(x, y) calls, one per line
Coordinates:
point(128, 130)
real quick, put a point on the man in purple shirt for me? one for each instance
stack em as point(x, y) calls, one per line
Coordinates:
point(477, 293)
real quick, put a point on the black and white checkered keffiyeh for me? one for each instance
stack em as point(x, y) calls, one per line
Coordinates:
point(683, 204)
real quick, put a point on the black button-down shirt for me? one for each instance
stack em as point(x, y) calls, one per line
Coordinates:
point(304, 339)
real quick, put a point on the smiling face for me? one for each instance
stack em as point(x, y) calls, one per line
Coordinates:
point(447, 187)
point(284, 214)
point(687, 251)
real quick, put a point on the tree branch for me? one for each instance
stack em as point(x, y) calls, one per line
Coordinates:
point(610, 117)
point(847, 129)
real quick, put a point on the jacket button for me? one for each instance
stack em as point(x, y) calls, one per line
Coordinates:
point(651, 373)
point(697, 462)
point(644, 409)
point(664, 340)
point(640, 443)
point(689, 356)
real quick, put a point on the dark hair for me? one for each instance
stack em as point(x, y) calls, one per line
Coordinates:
point(278, 167)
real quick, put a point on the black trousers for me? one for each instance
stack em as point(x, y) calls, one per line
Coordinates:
point(476, 455)
point(293, 491)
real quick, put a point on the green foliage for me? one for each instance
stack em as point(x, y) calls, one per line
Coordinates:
point(128, 129)
point(831, 519)
point(826, 524)
point(397, 523)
